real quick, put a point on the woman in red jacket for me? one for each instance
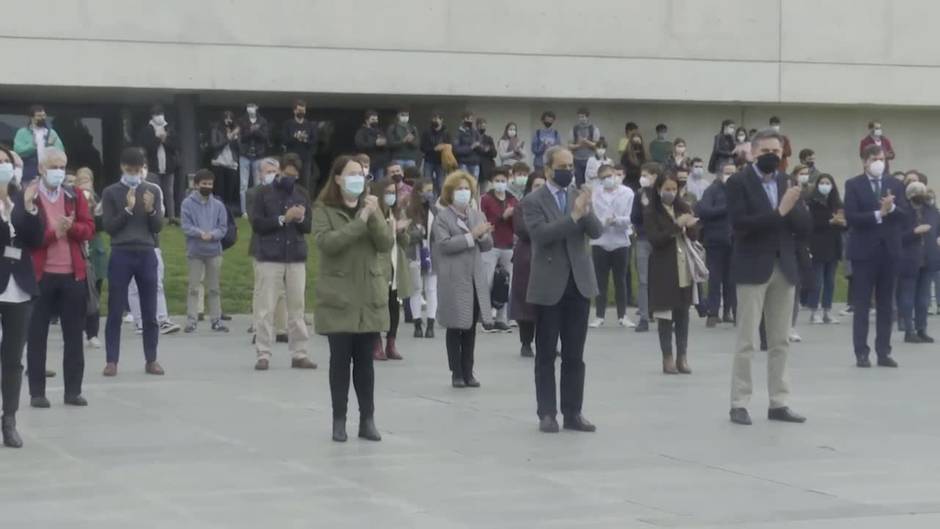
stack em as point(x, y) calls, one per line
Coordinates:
point(59, 264)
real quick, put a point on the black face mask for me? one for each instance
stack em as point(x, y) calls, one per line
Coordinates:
point(468, 124)
point(205, 191)
point(768, 163)
point(373, 124)
point(481, 129)
point(41, 122)
point(436, 124)
point(563, 177)
point(300, 115)
point(548, 124)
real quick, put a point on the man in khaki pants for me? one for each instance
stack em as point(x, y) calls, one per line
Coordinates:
point(281, 218)
point(767, 216)
point(268, 171)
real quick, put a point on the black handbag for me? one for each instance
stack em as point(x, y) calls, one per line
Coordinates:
point(93, 303)
point(499, 293)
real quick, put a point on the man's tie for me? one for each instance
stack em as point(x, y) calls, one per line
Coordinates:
point(876, 187)
point(563, 200)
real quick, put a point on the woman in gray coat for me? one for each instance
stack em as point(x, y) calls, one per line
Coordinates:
point(458, 235)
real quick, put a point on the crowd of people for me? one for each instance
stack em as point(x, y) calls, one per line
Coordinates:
point(516, 246)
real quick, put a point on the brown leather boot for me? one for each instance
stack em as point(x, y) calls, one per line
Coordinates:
point(669, 365)
point(391, 352)
point(377, 352)
point(682, 365)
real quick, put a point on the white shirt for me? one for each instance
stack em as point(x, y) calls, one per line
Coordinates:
point(12, 293)
point(39, 137)
point(593, 165)
point(617, 204)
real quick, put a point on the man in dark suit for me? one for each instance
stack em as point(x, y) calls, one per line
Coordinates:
point(767, 215)
point(561, 285)
point(875, 210)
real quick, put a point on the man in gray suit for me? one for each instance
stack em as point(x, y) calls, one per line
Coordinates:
point(561, 285)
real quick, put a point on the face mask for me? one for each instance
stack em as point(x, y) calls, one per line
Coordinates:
point(468, 124)
point(548, 124)
point(741, 138)
point(637, 141)
point(252, 110)
point(804, 179)
point(877, 168)
point(729, 130)
point(500, 187)
point(131, 180)
point(698, 172)
point(877, 133)
point(481, 128)
point(680, 150)
point(300, 115)
point(824, 189)
point(55, 177)
point(403, 119)
point(268, 178)
point(520, 181)
point(41, 123)
point(768, 163)
point(776, 128)
point(610, 182)
point(6, 173)
point(811, 164)
point(583, 120)
point(563, 177)
point(373, 124)
point(436, 124)
point(668, 197)
point(511, 133)
point(428, 197)
point(462, 197)
point(205, 191)
point(601, 153)
point(645, 181)
point(159, 119)
point(390, 199)
point(354, 184)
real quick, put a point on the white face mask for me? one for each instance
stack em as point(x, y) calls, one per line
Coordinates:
point(877, 133)
point(601, 152)
point(500, 187)
point(776, 128)
point(729, 130)
point(610, 182)
point(876, 168)
point(354, 184)
point(462, 197)
point(403, 120)
point(742, 138)
point(159, 119)
point(804, 178)
point(825, 189)
point(511, 133)
point(268, 178)
point(54, 177)
point(390, 199)
point(252, 111)
point(645, 181)
point(698, 172)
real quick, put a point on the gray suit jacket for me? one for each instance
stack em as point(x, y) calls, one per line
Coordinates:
point(559, 247)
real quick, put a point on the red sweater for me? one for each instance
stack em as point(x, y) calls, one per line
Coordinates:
point(494, 208)
point(83, 229)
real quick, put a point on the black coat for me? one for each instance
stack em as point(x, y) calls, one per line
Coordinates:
point(276, 243)
point(486, 152)
point(713, 212)
point(825, 241)
point(640, 201)
point(254, 141)
point(147, 138)
point(365, 141)
point(299, 138)
point(463, 146)
point(431, 139)
point(762, 238)
point(218, 139)
point(30, 232)
point(661, 230)
point(919, 251)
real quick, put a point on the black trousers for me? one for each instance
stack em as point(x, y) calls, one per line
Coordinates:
point(55, 291)
point(93, 321)
point(355, 348)
point(605, 262)
point(461, 344)
point(526, 332)
point(227, 184)
point(14, 319)
point(568, 320)
point(679, 325)
point(394, 313)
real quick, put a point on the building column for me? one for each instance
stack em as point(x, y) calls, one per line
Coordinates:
point(189, 141)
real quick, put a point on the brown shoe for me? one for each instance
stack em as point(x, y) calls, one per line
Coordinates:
point(378, 353)
point(682, 365)
point(261, 364)
point(110, 369)
point(390, 350)
point(302, 363)
point(669, 365)
point(153, 368)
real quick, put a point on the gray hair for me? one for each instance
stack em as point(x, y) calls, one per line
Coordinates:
point(52, 153)
point(766, 134)
point(271, 162)
point(549, 156)
point(915, 189)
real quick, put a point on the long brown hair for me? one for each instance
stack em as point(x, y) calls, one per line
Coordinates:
point(378, 190)
point(417, 210)
point(331, 195)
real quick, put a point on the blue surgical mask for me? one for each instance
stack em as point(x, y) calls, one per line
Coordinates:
point(130, 180)
point(6, 173)
point(354, 184)
point(54, 177)
point(500, 187)
point(462, 197)
point(390, 199)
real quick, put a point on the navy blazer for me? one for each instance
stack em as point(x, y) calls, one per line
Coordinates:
point(30, 232)
point(761, 236)
point(713, 210)
point(867, 237)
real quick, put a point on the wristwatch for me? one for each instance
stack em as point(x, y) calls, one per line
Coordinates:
point(281, 219)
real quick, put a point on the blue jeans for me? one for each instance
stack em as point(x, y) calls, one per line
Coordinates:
point(720, 281)
point(124, 266)
point(472, 169)
point(825, 285)
point(247, 177)
point(435, 173)
point(580, 167)
point(406, 163)
point(914, 300)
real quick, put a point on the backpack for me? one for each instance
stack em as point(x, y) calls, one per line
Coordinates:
point(231, 234)
point(499, 293)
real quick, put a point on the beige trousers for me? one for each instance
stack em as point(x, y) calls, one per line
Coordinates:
point(773, 300)
point(273, 280)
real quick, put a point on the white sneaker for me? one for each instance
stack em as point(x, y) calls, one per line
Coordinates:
point(828, 318)
point(93, 343)
point(845, 312)
point(128, 318)
point(168, 327)
point(625, 322)
point(816, 318)
point(595, 323)
point(794, 337)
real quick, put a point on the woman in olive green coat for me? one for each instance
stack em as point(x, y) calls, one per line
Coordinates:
point(395, 263)
point(351, 306)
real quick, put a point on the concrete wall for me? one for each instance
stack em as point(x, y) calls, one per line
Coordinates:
point(757, 51)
